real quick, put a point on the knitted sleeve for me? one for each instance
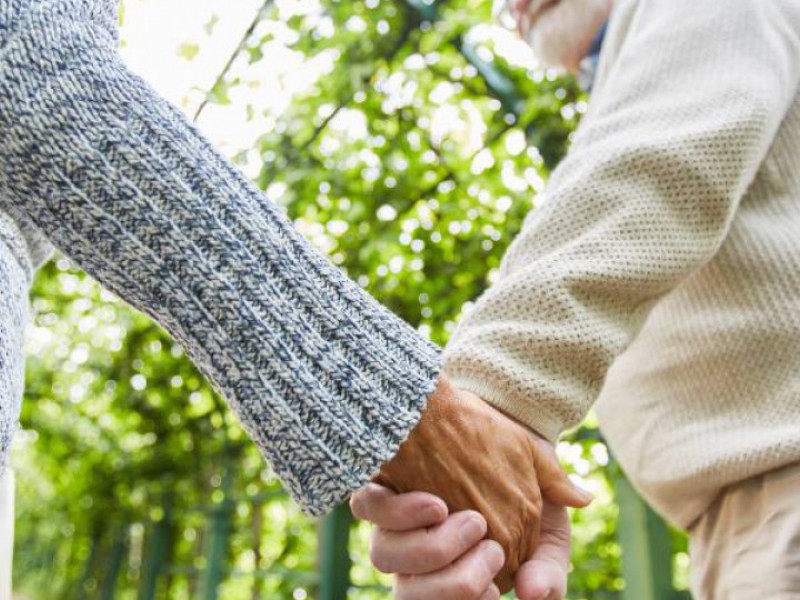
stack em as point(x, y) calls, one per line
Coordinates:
point(325, 380)
point(16, 270)
point(645, 197)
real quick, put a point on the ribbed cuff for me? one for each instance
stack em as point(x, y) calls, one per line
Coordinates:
point(326, 381)
point(534, 416)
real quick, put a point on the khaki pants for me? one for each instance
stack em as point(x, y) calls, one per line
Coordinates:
point(747, 545)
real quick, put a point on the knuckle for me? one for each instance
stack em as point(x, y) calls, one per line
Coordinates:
point(401, 590)
point(356, 505)
point(380, 561)
point(360, 504)
point(492, 593)
point(562, 535)
point(378, 554)
point(434, 555)
point(466, 588)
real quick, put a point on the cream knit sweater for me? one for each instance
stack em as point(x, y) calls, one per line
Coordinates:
point(661, 277)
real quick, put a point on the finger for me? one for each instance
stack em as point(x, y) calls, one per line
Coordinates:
point(426, 550)
point(397, 512)
point(545, 575)
point(491, 594)
point(466, 579)
point(554, 481)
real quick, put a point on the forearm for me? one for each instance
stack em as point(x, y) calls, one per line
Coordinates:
point(644, 200)
point(579, 280)
point(325, 380)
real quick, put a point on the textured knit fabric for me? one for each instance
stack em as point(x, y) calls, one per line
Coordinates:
point(15, 278)
point(664, 261)
point(325, 380)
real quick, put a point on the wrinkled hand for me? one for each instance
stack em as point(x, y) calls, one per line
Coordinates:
point(475, 458)
point(439, 557)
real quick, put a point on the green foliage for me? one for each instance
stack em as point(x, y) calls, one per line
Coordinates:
point(413, 167)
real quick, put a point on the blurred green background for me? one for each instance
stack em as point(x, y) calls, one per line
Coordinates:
point(413, 150)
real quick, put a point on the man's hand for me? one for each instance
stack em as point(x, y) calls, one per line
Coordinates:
point(441, 557)
point(477, 459)
point(544, 576)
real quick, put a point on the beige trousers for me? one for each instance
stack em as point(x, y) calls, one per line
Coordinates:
point(747, 545)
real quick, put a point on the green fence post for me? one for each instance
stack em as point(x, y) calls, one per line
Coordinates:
point(334, 554)
point(115, 560)
point(91, 563)
point(155, 559)
point(217, 540)
point(646, 547)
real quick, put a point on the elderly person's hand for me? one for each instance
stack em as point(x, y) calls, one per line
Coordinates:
point(476, 458)
point(441, 557)
point(560, 31)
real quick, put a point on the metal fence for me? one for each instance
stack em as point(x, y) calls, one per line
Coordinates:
point(644, 538)
point(160, 572)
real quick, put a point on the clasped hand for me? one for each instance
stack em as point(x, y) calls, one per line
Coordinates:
point(459, 510)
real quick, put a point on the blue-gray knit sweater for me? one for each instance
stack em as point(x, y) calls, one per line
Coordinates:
point(325, 380)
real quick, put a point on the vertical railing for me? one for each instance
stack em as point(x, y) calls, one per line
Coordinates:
point(645, 540)
point(334, 559)
point(91, 563)
point(156, 555)
point(116, 560)
point(332, 580)
point(220, 522)
point(646, 546)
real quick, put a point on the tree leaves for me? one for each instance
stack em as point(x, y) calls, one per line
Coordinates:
point(406, 163)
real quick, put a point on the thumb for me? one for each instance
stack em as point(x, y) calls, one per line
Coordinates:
point(554, 481)
point(544, 576)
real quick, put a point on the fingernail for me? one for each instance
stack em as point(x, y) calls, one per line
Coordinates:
point(433, 513)
point(585, 495)
point(472, 529)
point(493, 555)
point(545, 596)
point(373, 488)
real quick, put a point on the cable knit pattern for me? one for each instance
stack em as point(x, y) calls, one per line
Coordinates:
point(325, 380)
point(672, 227)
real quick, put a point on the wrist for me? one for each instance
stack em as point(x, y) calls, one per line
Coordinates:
point(497, 389)
point(451, 422)
point(431, 430)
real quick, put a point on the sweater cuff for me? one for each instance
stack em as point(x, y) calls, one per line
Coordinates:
point(535, 417)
